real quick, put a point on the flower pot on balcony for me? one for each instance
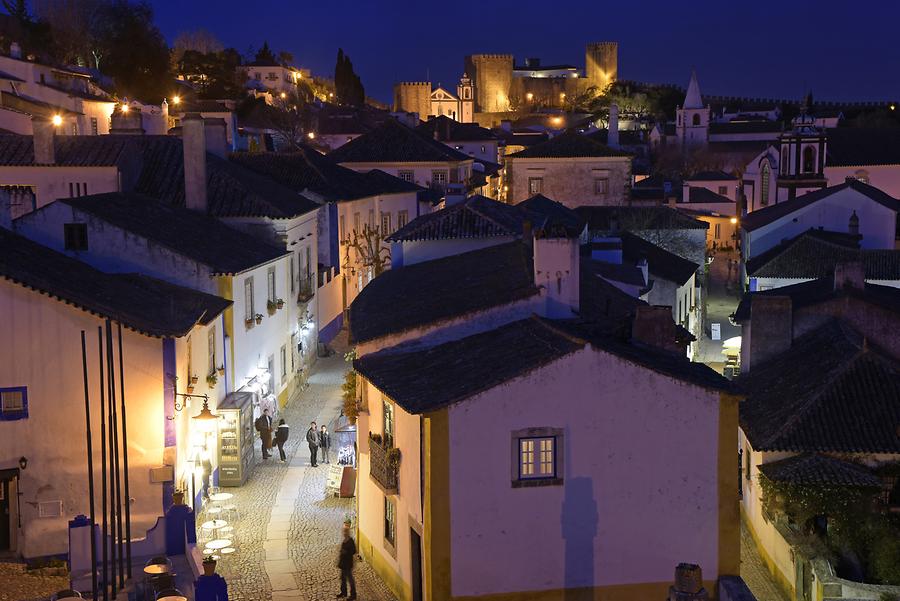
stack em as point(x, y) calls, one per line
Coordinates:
point(190, 389)
point(211, 380)
point(194, 379)
point(209, 566)
point(221, 370)
point(279, 303)
point(271, 307)
point(259, 318)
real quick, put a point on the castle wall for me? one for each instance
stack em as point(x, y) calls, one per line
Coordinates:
point(545, 91)
point(492, 74)
point(413, 97)
point(601, 61)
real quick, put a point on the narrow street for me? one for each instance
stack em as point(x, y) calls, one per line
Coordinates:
point(288, 532)
point(721, 301)
point(755, 573)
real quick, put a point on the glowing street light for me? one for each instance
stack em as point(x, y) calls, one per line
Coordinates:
point(176, 99)
point(124, 108)
point(56, 120)
point(733, 220)
point(283, 95)
point(529, 96)
point(311, 135)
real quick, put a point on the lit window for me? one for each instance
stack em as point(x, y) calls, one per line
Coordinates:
point(537, 458)
point(94, 128)
point(406, 176)
point(390, 522)
point(387, 422)
point(13, 403)
point(601, 186)
point(75, 236)
point(535, 185)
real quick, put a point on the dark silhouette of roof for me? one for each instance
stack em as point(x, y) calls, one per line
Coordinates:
point(660, 262)
point(820, 470)
point(569, 144)
point(831, 392)
point(70, 151)
point(139, 302)
point(767, 215)
point(862, 146)
point(199, 237)
point(550, 218)
point(393, 142)
point(700, 195)
point(756, 126)
point(433, 291)
point(475, 217)
point(711, 176)
point(608, 219)
point(444, 129)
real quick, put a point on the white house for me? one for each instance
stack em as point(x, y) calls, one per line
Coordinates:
point(46, 301)
point(273, 77)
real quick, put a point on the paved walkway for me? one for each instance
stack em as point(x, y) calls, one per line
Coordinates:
point(755, 573)
point(289, 532)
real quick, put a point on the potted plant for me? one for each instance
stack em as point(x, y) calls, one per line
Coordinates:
point(279, 303)
point(195, 379)
point(271, 307)
point(211, 379)
point(376, 438)
point(190, 389)
point(348, 521)
point(221, 370)
point(178, 497)
point(393, 457)
point(258, 318)
point(248, 322)
point(209, 565)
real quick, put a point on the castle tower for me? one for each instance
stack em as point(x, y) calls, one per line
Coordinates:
point(465, 91)
point(692, 118)
point(492, 74)
point(601, 64)
point(413, 97)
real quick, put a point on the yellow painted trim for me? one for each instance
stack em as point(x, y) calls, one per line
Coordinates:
point(728, 502)
point(436, 573)
point(385, 571)
point(780, 580)
point(615, 592)
point(225, 285)
point(283, 397)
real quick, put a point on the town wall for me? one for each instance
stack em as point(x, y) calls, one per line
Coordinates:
point(413, 97)
point(601, 63)
point(492, 74)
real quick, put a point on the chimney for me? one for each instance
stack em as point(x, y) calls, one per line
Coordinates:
point(15, 50)
point(44, 147)
point(126, 120)
point(854, 224)
point(193, 138)
point(771, 329)
point(850, 274)
point(557, 271)
point(653, 326)
point(612, 138)
point(688, 584)
point(216, 141)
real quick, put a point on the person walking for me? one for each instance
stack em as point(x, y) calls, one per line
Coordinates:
point(324, 443)
point(264, 427)
point(281, 435)
point(312, 437)
point(345, 564)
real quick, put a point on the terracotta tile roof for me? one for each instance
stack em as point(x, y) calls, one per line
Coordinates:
point(820, 470)
point(448, 130)
point(393, 142)
point(605, 219)
point(202, 238)
point(70, 151)
point(428, 379)
point(433, 291)
point(569, 144)
point(475, 217)
point(831, 392)
point(139, 302)
point(550, 218)
point(817, 291)
point(660, 262)
point(761, 217)
point(812, 255)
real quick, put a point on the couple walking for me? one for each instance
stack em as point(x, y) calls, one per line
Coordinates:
point(319, 440)
point(264, 427)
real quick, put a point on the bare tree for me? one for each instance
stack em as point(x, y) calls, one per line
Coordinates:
point(201, 41)
point(371, 252)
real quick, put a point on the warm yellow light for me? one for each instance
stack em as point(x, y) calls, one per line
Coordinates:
point(733, 220)
point(283, 95)
point(176, 99)
point(562, 95)
point(529, 95)
point(893, 107)
point(311, 135)
point(124, 108)
point(557, 120)
point(330, 94)
point(57, 120)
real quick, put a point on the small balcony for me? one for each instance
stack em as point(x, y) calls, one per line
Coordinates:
point(307, 290)
point(384, 463)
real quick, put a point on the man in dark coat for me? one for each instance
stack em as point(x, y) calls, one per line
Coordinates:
point(345, 564)
point(324, 443)
point(264, 427)
point(312, 437)
point(281, 436)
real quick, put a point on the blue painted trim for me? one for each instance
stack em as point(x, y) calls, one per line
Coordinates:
point(330, 331)
point(334, 242)
point(8, 416)
point(215, 477)
point(224, 350)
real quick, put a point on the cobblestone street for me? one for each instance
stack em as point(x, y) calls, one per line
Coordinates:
point(755, 573)
point(288, 532)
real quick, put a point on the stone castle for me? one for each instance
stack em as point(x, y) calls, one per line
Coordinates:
point(498, 85)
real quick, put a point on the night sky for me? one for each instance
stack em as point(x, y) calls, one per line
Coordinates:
point(839, 49)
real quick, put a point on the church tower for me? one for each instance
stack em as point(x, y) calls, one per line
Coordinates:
point(692, 119)
point(801, 160)
point(465, 91)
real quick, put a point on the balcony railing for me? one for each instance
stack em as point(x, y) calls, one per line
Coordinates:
point(384, 463)
point(307, 290)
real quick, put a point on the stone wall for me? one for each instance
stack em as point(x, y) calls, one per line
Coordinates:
point(413, 97)
point(492, 74)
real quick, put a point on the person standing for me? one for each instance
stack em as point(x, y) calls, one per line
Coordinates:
point(345, 564)
point(324, 443)
point(312, 437)
point(264, 427)
point(281, 436)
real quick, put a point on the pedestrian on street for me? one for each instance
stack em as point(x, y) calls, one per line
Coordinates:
point(312, 437)
point(281, 436)
point(324, 443)
point(345, 564)
point(264, 427)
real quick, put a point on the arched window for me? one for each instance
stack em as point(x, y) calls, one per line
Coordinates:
point(696, 120)
point(764, 187)
point(809, 160)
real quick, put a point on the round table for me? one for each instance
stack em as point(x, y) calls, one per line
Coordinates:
point(220, 496)
point(217, 544)
point(228, 550)
point(172, 598)
point(213, 524)
point(156, 568)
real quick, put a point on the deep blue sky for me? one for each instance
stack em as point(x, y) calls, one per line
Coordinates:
point(778, 48)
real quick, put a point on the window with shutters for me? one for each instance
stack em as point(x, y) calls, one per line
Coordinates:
point(537, 457)
point(75, 236)
point(13, 403)
point(248, 299)
point(270, 283)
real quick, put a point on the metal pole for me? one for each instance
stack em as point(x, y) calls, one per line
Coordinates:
point(103, 531)
point(112, 469)
point(90, 466)
point(117, 473)
point(125, 456)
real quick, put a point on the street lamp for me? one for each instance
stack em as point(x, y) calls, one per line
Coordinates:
point(56, 120)
point(176, 99)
